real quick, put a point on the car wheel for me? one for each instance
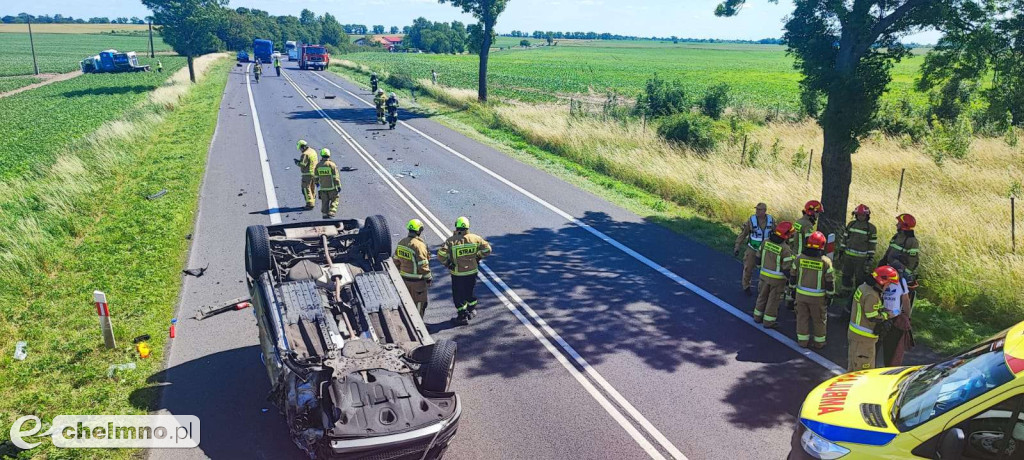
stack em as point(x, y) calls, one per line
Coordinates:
point(437, 373)
point(379, 236)
point(257, 250)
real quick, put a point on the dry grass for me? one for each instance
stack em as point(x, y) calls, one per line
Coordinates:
point(962, 207)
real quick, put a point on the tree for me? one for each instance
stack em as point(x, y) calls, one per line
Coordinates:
point(846, 50)
point(394, 30)
point(486, 12)
point(189, 26)
point(549, 37)
point(331, 31)
point(524, 43)
point(378, 29)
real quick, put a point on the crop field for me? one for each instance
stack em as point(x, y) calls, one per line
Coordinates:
point(40, 123)
point(12, 83)
point(73, 28)
point(761, 75)
point(59, 53)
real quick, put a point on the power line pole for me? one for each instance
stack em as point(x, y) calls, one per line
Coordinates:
point(151, 53)
point(32, 43)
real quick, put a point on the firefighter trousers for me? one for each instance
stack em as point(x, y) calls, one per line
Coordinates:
point(749, 265)
point(861, 354)
point(309, 189)
point(462, 292)
point(810, 310)
point(330, 202)
point(769, 295)
point(852, 273)
point(418, 291)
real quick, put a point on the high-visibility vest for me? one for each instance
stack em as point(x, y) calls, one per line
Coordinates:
point(411, 265)
point(811, 275)
point(757, 234)
point(861, 321)
point(326, 173)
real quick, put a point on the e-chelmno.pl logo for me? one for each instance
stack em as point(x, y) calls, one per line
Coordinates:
point(109, 431)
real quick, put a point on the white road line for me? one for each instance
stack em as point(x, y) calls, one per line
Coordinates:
point(738, 313)
point(268, 179)
point(440, 230)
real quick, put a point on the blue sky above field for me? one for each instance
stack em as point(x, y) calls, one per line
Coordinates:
point(683, 18)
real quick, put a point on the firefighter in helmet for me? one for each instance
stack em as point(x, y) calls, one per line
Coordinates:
point(904, 246)
point(753, 233)
point(461, 254)
point(807, 224)
point(868, 312)
point(378, 100)
point(776, 263)
point(856, 251)
point(413, 260)
point(307, 164)
point(812, 277)
point(330, 184)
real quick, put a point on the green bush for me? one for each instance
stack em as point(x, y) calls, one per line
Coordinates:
point(902, 118)
point(694, 130)
point(660, 98)
point(799, 159)
point(950, 140)
point(715, 101)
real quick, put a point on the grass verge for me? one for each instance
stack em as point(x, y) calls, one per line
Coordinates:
point(705, 197)
point(86, 224)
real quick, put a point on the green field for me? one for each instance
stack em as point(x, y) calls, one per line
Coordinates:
point(59, 53)
point(761, 75)
point(11, 83)
point(40, 123)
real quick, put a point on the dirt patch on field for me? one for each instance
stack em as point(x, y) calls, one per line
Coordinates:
point(47, 79)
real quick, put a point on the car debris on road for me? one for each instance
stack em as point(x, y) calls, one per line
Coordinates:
point(240, 303)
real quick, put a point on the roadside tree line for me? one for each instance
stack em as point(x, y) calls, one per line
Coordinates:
point(23, 18)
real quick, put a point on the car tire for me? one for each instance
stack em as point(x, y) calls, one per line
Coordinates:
point(257, 250)
point(379, 236)
point(437, 373)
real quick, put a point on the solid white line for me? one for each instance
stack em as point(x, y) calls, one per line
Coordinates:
point(742, 315)
point(268, 179)
point(439, 229)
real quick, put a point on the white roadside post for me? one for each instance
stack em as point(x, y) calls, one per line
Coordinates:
point(104, 313)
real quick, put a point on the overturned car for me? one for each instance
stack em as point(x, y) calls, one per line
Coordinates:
point(351, 365)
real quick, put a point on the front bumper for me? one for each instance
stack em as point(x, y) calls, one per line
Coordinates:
point(796, 448)
point(431, 440)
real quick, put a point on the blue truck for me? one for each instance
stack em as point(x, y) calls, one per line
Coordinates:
point(111, 61)
point(263, 50)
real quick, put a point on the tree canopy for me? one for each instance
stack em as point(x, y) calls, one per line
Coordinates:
point(189, 26)
point(481, 36)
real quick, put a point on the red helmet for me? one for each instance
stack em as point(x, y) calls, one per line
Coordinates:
point(816, 240)
point(813, 207)
point(885, 275)
point(905, 222)
point(784, 229)
point(862, 210)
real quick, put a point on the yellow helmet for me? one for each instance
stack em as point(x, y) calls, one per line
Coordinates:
point(462, 223)
point(415, 225)
point(324, 152)
point(302, 143)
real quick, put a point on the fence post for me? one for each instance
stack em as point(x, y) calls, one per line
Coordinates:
point(810, 161)
point(900, 193)
point(103, 311)
point(743, 153)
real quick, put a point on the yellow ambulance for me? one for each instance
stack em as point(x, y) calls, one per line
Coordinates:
point(967, 407)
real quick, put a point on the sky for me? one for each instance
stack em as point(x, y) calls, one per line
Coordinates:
point(683, 18)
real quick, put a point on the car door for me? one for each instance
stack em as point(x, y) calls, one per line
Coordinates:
point(995, 432)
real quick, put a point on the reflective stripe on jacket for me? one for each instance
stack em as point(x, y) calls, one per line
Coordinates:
point(801, 230)
point(757, 234)
point(868, 310)
point(308, 161)
point(814, 275)
point(906, 249)
point(327, 175)
point(462, 252)
point(860, 239)
point(412, 258)
point(776, 260)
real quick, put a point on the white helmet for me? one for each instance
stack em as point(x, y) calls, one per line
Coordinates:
point(392, 94)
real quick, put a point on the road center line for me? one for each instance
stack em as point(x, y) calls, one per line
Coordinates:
point(738, 313)
point(268, 179)
point(440, 230)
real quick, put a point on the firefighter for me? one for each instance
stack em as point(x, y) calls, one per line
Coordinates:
point(776, 263)
point(257, 70)
point(307, 163)
point(812, 277)
point(413, 260)
point(868, 312)
point(159, 66)
point(277, 65)
point(391, 104)
point(807, 224)
point(755, 230)
point(373, 82)
point(904, 246)
point(461, 253)
point(856, 252)
point(329, 182)
point(379, 99)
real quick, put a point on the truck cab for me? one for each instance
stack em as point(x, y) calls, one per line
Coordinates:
point(970, 406)
point(314, 57)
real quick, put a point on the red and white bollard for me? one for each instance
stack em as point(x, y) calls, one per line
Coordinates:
point(103, 310)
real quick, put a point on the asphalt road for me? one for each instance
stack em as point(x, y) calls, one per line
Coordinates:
point(604, 336)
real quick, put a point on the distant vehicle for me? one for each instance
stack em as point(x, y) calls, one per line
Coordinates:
point(351, 364)
point(276, 55)
point(314, 57)
point(112, 61)
point(243, 56)
point(262, 50)
point(291, 48)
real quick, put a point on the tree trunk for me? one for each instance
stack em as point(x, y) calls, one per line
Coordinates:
point(485, 51)
point(191, 70)
point(836, 167)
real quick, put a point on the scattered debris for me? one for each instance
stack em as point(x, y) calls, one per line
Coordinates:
point(142, 346)
point(389, 158)
point(172, 332)
point(113, 370)
point(329, 96)
point(242, 115)
point(157, 195)
point(196, 272)
point(287, 167)
point(348, 169)
point(453, 191)
point(417, 164)
point(264, 410)
point(19, 351)
point(188, 237)
point(235, 304)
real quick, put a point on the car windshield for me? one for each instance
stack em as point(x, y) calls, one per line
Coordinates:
point(940, 387)
point(315, 50)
